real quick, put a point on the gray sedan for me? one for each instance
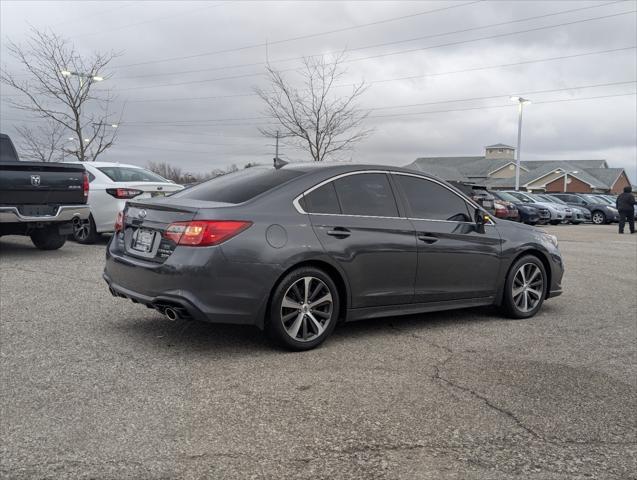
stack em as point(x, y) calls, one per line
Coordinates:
point(297, 249)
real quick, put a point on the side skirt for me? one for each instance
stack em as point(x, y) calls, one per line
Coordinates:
point(413, 308)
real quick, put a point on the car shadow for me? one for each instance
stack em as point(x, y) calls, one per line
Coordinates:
point(201, 337)
point(17, 247)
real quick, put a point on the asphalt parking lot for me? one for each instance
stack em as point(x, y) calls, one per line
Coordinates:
point(97, 387)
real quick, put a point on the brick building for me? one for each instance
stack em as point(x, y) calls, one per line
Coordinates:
point(496, 169)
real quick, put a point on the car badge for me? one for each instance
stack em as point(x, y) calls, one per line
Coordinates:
point(142, 214)
point(35, 180)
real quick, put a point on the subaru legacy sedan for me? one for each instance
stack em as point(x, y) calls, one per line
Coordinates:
point(298, 249)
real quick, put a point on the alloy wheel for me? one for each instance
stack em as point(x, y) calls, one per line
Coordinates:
point(598, 218)
point(528, 287)
point(306, 309)
point(82, 231)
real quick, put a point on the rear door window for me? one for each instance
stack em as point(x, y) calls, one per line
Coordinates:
point(239, 187)
point(431, 201)
point(322, 200)
point(367, 194)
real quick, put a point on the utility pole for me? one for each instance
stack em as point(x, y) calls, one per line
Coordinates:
point(276, 155)
point(521, 101)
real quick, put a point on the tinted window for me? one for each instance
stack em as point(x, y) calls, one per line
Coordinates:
point(91, 177)
point(7, 153)
point(321, 200)
point(239, 186)
point(366, 194)
point(129, 174)
point(430, 200)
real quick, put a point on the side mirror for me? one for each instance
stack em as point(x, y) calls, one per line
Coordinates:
point(480, 220)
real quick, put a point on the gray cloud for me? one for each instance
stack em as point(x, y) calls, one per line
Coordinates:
point(179, 131)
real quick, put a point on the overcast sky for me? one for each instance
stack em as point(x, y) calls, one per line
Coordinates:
point(170, 115)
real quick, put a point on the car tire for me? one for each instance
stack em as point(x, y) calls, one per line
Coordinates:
point(47, 238)
point(523, 296)
point(598, 217)
point(85, 232)
point(303, 309)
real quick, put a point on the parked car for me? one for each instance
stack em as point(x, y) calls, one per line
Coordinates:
point(601, 211)
point(558, 213)
point(506, 210)
point(479, 195)
point(612, 199)
point(529, 214)
point(579, 215)
point(296, 249)
point(40, 200)
point(112, 184)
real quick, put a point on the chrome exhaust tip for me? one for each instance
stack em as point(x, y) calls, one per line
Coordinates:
point(171, 314)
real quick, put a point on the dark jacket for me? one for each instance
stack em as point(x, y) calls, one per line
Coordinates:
point(625, 202)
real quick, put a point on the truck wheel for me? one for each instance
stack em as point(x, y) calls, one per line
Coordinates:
point(85, 232)
point(47, 238)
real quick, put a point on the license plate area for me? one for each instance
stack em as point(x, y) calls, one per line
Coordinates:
point(487, 203)
point(143, 240)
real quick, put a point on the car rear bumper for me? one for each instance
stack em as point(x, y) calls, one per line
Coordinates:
point(65, 213)
point(197, 282)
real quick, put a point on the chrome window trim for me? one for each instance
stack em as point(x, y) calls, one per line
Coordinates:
point(300, 209)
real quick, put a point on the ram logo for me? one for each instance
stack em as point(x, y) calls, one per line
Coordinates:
point(35, 180)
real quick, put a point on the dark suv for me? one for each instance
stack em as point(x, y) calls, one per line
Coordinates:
point(601, 212)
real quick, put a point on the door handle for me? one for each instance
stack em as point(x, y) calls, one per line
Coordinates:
point(427, 238)
point(339, 232)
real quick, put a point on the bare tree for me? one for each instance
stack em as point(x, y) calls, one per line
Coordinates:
point(43, 143)
point(313, 117)
point(59, 85)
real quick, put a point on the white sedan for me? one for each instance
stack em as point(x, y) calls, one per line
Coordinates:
point(111, 184)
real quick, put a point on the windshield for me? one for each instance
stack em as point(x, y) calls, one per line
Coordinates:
point(239, 187)
point(507, 197)
point(596, 199)
point(522, 197)
point(550, 198)
point(131, 174)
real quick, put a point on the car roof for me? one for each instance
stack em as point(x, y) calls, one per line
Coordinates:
point(343, 167)
point(109, 164)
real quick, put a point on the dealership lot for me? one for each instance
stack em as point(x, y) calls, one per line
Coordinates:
point(97, 387)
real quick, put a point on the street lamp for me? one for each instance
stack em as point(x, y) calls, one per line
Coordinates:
point(521, 102)
point(81, 76)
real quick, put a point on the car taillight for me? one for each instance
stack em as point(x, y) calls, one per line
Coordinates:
point(85, 185)
point(203, 233)
point(119, 222)
point(123, 193)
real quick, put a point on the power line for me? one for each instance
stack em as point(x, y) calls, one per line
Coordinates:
point(301, 37)
point(167, 17)
point(401, 52)
point(534, 92)
point(506, 105)
point(240, 119)
point(525, 19)
point(411, 77)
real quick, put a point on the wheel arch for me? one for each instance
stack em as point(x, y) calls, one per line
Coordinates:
point(536, 252)
point(335, 274)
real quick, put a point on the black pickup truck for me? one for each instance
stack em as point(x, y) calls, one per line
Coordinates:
point(41, 200)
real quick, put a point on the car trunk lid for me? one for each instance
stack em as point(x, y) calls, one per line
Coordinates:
point(145, 224)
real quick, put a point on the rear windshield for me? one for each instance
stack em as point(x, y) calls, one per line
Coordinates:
point(129, 174)
point(7, 153)
point(239, 187)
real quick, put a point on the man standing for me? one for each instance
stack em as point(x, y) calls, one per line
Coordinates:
point(626, 207)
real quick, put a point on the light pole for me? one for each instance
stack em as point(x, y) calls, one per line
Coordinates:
point(82, 76)
point(521, 102)
point(573, 172)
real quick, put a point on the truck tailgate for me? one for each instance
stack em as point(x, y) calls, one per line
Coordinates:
point(39, 183)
